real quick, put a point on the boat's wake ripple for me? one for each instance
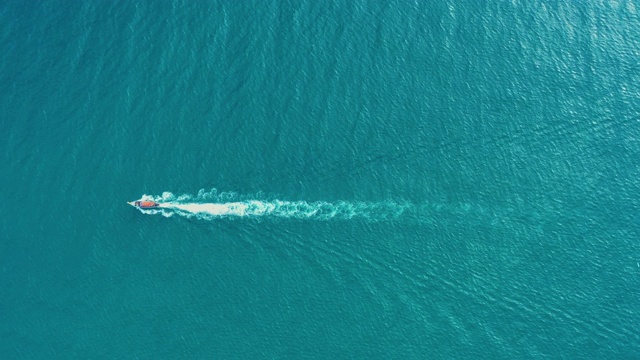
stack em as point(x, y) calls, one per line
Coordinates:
point(213, 205)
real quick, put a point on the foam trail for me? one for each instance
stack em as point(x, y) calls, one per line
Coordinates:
point(201, 207)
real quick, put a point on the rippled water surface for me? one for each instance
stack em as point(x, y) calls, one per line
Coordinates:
point(338, 179)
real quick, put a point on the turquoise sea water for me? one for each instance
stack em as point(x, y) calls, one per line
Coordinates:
point(343, 179)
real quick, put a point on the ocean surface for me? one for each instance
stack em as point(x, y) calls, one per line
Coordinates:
point(339, 179)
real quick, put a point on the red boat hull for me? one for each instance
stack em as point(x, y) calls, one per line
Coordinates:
point(145, 204)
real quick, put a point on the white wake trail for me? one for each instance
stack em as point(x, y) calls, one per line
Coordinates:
point(201, 207)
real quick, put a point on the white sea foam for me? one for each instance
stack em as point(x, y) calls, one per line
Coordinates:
point(209, 205)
